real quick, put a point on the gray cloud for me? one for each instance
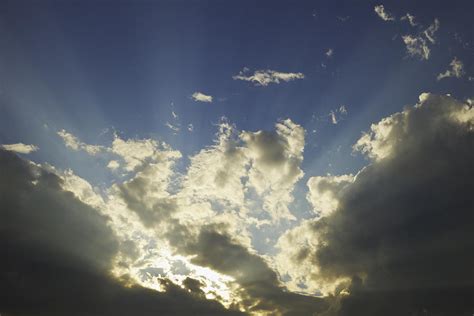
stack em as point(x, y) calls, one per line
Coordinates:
point(57, 252)
point(402, 230)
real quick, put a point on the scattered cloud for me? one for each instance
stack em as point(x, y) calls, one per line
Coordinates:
point(384, 15)
point(335, 115)
point(201, 97)
point(265, 77)
point(410, 18)
point(457, 70)
point(20, 148)
point(75, 144)
point(190, 128)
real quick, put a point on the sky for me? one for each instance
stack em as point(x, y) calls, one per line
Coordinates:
point(236, 157)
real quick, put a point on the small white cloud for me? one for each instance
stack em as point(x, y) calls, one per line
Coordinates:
point(431, 30)
point(410, 18)
point(457, 70)
point(20, 148)
point(265, 77)
point(175, 116)
point(384, 15)
point(201, 97)
point(343, 109)
point(113, 164)
point(329, 52)
point(190, 127)
point(333, 117)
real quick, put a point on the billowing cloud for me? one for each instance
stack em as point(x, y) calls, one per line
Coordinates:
point(60, 252)
point(265, 77)
point(383, 14)
point(457, 70)
point(20, 148)
point(201, 97)
point(400, 231)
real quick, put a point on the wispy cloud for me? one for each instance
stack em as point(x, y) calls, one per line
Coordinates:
point(20, 148)
point(410, 18)
point(329, 52)
point(265, 77)
point(201, 97)
point(419, 45)
point(457, 70)
point(384, 15)
point(74, 143)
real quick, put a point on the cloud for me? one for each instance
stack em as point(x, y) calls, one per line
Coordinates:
point(201, 97)
point(74, 143)
point(265, 77)
point(410, 18)
point(419, 45)
point(59, 253)
point(336, 115)
point(457, 70)
point(400, 232)
point(329, 52)
point(384, 15)
point(20, 148)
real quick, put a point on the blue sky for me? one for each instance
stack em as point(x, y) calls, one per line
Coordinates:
point(129, 69)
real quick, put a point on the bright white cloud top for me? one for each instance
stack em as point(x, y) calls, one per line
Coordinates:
point(383, 14)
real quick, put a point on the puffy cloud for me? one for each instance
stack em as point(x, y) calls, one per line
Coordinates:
point(20, 148)
point(276, 158)
point(324, 192)
point(201, 97)
point(384, 15)
point(457, 70)
point(265, 77)
point(401, 230)
point(59, 252)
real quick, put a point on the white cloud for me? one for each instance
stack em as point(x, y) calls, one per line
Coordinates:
point(418, 45)
point(20, 148)
point(201, 97)
point(172, 127)
point(324, 191)
point(113, 165)
point(190, 127)
point(265, 77)
point(384, 15)
point(74, 143)
point(457, 70)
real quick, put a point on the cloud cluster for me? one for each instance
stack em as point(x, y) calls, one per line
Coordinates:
point(397, 238)
point(265, 77)
point(419, 44)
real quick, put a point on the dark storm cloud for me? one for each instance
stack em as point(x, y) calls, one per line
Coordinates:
point(56, 254)
point(404, 229)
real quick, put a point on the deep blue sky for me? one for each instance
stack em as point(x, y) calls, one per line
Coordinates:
point(87, 66)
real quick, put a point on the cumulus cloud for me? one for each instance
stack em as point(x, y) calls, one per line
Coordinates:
point(384, 15)
point(400, 231)
point(265, 77)
point(457, 70)
point(59, 253)
point(20, 148)
point(201, 97)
